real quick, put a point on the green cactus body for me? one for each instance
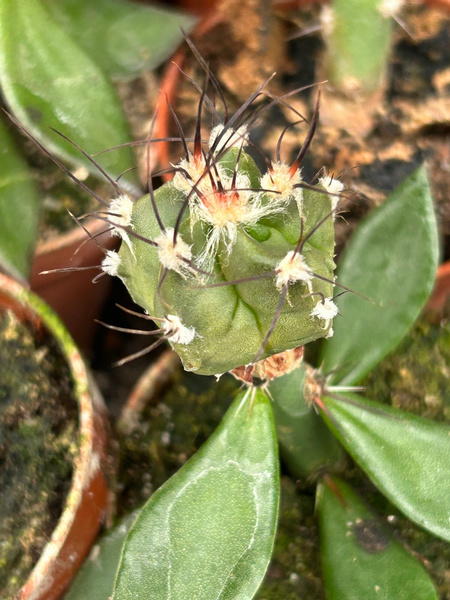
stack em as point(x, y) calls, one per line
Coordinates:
point(252, 233)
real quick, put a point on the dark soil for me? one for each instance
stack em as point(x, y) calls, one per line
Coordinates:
point(411, 126)
point(38, 445)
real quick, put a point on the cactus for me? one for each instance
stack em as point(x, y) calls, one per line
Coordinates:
point(233, 265)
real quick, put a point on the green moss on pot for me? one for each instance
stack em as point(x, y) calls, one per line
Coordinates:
point(38, 445)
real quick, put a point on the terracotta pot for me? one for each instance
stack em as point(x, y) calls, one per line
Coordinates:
point(86, 500)
point(71, 294)
point(441, 292)
point(444, 4)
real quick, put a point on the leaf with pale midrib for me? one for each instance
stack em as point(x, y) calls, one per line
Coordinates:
point(209, 531)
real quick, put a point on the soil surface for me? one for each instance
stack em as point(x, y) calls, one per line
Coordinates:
point(38, 445)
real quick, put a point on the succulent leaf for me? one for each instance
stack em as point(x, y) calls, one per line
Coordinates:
point(306, 445)
point(19, 209)
point(360, 557)
point(392, 259)
point(122, 37)
point(405, 456)
point(48, 81)
point(208, 532)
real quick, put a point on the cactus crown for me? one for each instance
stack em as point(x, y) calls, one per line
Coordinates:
point(233, 264)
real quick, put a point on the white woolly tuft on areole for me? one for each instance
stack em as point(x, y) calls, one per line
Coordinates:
point(193, 173)
point(120, 212)
point(390, 8)
point(230, 137)
point(333, 186)
point(293, 268)
point(226, 211)
point(176, 331)
point(280, 184)
point(171, 255)
point(325, 310)
point(280, 180)
point(111, 263)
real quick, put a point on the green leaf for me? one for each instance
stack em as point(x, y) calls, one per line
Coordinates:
point(121, 37)
point(392, 259)
point(48, 81)
point(306, 445)
point(98, 572)
point(208, 532)
point(19, 209)
point(407, 457)
point(360, 559)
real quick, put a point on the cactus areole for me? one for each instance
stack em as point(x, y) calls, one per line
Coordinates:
point(232, 264)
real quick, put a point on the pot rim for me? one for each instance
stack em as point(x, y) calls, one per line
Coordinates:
point(441, 290)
